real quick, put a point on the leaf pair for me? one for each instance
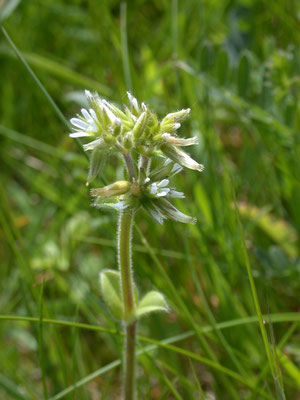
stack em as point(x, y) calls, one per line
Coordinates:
point(110, 286)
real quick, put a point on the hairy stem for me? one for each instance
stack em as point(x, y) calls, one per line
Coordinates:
point(129, 361)
point(124, 247)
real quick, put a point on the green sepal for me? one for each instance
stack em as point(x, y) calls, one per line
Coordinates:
point(97, 161)
point(152, 302)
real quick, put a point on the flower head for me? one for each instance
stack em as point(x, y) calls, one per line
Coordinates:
point(152, 195)
point(136, 133)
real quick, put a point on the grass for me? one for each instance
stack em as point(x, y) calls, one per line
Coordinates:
point(232, 280)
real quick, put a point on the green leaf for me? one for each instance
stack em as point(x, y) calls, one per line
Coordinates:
point(111, 292)
point(151, 302)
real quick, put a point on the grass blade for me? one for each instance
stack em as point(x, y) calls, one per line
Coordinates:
point(41, 342)
point(254, 293)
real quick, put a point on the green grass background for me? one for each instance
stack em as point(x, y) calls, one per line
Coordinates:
point(236, 65)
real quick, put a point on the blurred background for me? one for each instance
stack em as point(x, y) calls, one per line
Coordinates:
point(236, 64)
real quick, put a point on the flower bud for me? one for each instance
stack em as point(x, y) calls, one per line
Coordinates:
point(133, 102)
point(140, 125)
point(177, 116)
point(169, 126)
point(117, 130)
point(179, 141)
point(180, 157)
point(135, 189)
point(158, 138)
point(115, 189)
point(110, 139)
point(127, 141)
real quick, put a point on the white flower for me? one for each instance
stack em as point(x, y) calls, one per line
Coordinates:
point(129, 131)
point(88, 125)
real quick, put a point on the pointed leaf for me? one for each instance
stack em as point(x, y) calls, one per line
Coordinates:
point(111, 292)
point(151, 302)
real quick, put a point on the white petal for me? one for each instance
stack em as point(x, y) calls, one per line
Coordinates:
point(163, 192)
point(79, 123)
point(93, 114)
point(176, 168)
point(78, 134)
point(163, 183)
point(168, 160)
point(153, 188)
point(92, 127)
point(86, 115)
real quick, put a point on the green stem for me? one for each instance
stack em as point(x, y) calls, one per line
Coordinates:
point(124, 247)
point(129, 361)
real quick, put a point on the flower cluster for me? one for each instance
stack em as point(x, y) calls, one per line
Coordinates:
point(138, 135)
